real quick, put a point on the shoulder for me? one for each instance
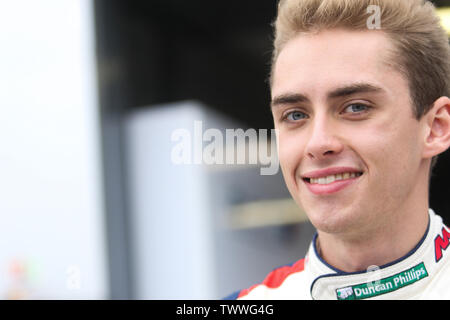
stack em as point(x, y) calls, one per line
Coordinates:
point(273, 283)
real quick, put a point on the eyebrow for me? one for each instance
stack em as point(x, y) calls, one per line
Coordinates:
point(348, 90)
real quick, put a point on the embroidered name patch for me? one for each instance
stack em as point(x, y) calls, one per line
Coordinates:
point(383, 286)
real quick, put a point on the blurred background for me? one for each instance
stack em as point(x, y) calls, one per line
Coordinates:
point(92, 206)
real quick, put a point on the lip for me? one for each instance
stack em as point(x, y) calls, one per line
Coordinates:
point(328, 172)
point(334, 187)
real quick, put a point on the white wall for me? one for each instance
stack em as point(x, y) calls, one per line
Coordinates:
point(52, 242)
point(170, 216)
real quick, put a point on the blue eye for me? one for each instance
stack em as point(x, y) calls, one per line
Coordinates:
point(295, 116)
point(356, 108)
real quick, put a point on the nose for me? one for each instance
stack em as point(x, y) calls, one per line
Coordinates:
point(323, 140)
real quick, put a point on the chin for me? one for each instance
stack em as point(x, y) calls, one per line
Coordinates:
point(332, 221)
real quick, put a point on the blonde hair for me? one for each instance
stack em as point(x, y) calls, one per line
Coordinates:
point(422, 51)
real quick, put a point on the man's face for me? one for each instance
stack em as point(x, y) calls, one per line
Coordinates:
point(349, 146)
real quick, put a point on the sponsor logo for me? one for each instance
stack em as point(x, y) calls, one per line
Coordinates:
point(344, 293)
point(441, 243)
point(383, 286)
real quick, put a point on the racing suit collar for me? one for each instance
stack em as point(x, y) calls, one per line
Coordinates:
point(398, 279)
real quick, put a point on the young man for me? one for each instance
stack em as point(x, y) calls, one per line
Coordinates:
point(360, 99)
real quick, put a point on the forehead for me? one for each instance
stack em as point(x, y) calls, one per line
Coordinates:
point(314, 63)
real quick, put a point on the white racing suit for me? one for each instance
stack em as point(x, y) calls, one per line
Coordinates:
point(424, 273)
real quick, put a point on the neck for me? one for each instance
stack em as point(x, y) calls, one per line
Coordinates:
point(359, 255)
point(391, 240)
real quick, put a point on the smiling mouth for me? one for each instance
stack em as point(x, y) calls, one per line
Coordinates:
point(332, 178)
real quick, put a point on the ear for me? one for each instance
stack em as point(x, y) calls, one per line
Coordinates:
point(438, 128)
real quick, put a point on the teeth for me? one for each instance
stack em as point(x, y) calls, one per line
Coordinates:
point(334, 177)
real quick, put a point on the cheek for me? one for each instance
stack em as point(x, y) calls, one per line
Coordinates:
point(290, 149)
point(392, 150)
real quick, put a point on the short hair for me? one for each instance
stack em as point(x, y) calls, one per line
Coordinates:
point(421, 48)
